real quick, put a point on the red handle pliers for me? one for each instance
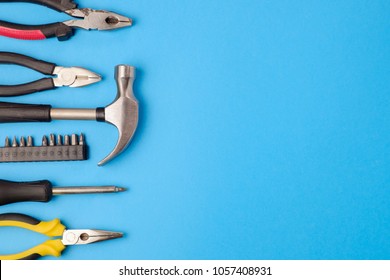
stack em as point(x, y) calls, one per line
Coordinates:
point(88, 19)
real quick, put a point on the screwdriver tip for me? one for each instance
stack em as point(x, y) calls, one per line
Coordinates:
point(120, 189)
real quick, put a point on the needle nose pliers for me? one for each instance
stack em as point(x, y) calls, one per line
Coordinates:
point(88, 19)
point(64, 76)
point(54, 228)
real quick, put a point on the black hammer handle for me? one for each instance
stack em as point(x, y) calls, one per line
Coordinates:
point(15, 112)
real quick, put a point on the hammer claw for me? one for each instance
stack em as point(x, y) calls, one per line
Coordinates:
point(123, 112)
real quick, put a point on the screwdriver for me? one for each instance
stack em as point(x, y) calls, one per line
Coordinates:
point(43, 191)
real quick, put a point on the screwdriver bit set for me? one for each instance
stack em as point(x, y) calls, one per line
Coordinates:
point(60, 148)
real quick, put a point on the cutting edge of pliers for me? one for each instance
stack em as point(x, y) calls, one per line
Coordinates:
point(97, 19)
point(53, 228)
point(60, 76)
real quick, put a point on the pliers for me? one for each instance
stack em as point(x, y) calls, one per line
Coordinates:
point(89, 19)
point(64, 76)
point(54, 228)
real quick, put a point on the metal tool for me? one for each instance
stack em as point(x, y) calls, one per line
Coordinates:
point(122, 112)
point(88, 19)
point(43, 191)
point(50, 150)
point(54, 228)
point(64, 76)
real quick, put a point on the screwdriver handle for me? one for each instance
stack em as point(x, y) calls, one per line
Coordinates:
point(38, 191)
point(17, 112)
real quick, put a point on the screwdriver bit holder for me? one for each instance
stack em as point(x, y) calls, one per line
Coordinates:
point(67, 148)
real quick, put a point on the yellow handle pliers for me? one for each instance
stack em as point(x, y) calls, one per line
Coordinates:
point(54, 228)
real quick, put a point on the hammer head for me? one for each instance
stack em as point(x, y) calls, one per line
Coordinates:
point(123, 111)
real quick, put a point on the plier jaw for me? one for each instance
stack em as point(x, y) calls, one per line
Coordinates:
point(97, 19)
point(74, 77)
point(87, 236)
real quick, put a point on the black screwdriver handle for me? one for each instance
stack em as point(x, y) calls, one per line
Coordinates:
point(16, 112)
point(58, 5)
point(38, 191)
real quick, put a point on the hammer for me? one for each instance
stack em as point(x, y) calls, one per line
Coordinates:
point(122, 112)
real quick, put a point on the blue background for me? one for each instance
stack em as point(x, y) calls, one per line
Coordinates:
point(264, 130)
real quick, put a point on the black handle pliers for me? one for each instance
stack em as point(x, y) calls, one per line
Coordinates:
point(89, 19)
point(63, 76)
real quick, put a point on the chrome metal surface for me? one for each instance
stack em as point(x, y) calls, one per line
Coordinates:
point(87, 236)
point(123, 111)
point(86, 190)
point(73, 114)
point(97, 19)
point(74, 77)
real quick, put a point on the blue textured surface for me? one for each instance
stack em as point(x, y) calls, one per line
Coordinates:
point(264, 130)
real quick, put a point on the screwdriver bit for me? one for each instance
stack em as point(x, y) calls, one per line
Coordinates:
point(7, 143)
point(14, 142)
point(44, 141)
point(81, 139)
point(30, 141)
point(59, 140)
point(22, 142)
point(74, 140)
point(66, 140)
point(51, 140)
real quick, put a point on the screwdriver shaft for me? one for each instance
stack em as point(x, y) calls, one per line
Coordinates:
point(86, 190)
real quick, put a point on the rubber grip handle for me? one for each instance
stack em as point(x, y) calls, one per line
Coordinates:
point(38, 191)
point(19, 218)
point(16, 112)
point(36, 32)
point(51, 228)
point(41, 66)
point(23, 89)
point(58, 5)
point(47, 248)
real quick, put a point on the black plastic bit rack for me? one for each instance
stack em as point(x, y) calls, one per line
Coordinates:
point(67, 148)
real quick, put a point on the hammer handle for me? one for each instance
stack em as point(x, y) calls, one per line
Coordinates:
point(15, 112)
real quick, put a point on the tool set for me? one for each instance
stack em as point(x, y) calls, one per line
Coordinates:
point(67, 148)
point(121, 113)
point(53, 228)
point(64, 76)
point(89, 19)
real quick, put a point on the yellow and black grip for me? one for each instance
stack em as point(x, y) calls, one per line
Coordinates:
point(38, 191)
point(53, 228)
